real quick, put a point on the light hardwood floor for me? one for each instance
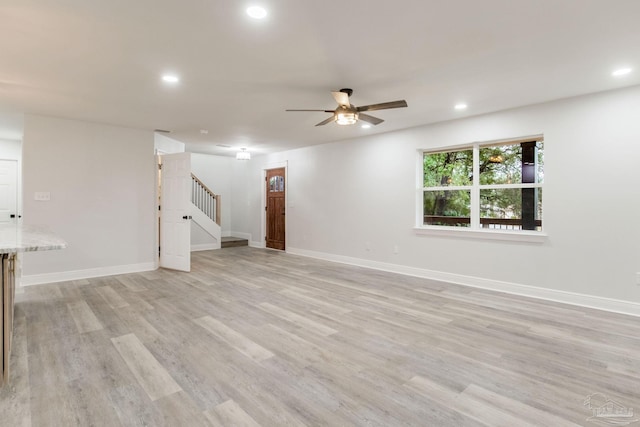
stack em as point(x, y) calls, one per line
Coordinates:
point(260, 338)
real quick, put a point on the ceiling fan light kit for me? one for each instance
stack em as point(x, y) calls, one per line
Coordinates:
point(346, 118)
point(349, 114)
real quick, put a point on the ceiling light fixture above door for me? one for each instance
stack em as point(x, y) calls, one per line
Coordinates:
point(243, 154)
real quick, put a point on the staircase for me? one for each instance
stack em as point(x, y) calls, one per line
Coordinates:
point(205, 210)
point(232, 242)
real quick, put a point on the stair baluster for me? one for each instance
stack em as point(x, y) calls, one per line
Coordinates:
point(205, 199)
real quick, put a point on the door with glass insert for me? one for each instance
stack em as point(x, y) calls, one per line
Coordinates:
point(275, 209)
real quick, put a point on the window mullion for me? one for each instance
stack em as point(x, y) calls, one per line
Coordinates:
point(475, 189)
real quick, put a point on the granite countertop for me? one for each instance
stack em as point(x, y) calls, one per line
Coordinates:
point(15, 238)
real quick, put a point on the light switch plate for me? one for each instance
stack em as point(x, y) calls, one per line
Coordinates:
point(42, 196)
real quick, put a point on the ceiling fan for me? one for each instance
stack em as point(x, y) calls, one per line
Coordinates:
point(348, 114)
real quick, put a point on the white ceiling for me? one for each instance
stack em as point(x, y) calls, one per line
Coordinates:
point(102, 61)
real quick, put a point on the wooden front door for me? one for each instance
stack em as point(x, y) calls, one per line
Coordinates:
point(275, 187)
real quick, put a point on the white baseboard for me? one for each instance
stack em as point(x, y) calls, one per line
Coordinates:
point(226, 234)
point(582, 300)
point(205, 247)
point(257, 244)
point(65, 276)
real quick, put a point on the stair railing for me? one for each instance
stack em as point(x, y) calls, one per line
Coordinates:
point(205, 199)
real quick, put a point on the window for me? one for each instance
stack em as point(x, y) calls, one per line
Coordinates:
point(276, 184)
point(492, 186)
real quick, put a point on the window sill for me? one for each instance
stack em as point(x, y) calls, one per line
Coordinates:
point(465, 233)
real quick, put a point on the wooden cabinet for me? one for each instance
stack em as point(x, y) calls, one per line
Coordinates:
point(8, 286)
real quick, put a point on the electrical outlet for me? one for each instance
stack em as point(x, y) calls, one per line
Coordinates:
point(638, 278)
point(396, 250)
point(367, 246)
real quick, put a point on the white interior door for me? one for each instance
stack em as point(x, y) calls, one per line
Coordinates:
point(175, 202)
point(8, 191)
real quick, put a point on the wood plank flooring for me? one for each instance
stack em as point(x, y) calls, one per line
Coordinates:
point(261, 338)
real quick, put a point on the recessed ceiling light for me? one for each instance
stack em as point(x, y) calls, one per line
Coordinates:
point(460, 106)
point(257, 12)
point(366, 126)
point(621, 72)
point(170, 78)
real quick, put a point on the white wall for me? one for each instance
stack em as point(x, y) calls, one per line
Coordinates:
point(346, 196)
point(10, 149)
point(200, 238)
point(102, 184)
point(165, 145)
point(11, 125)
point(241, 201)
point(216, 173)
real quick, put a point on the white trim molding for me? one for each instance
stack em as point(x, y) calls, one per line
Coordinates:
point(483, 234)
point(581, 300)
point(205, 247)
point(65, 276)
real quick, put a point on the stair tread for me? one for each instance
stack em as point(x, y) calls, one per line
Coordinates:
point(233, 239)
point(228, 242)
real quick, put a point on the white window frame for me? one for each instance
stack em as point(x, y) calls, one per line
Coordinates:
point(474, 230)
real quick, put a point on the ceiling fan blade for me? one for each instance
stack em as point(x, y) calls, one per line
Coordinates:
point(324, 122)
point(370, 119)
point(383, 106)
point(341, 98)
point(324, 111)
